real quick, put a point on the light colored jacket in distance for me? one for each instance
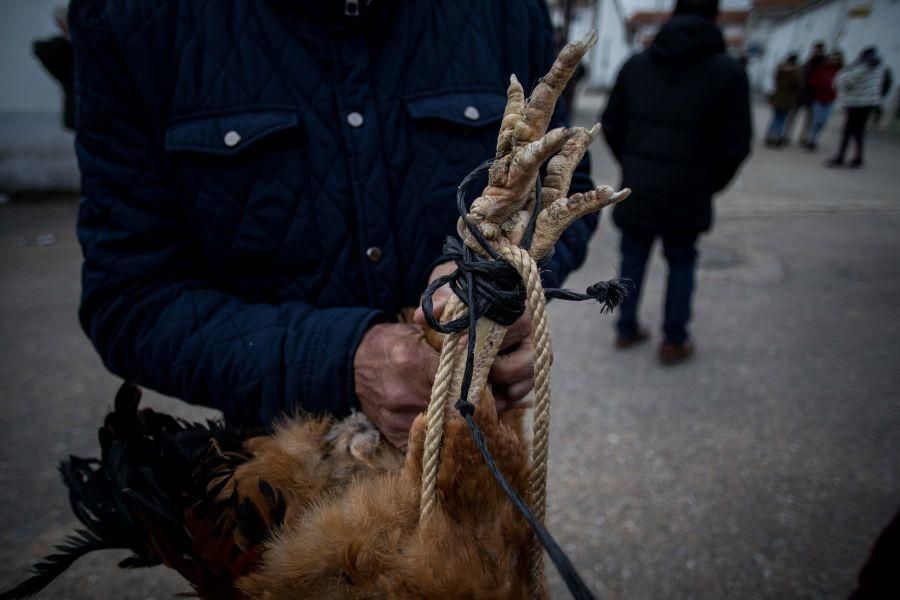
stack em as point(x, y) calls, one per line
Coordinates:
point(859, 85)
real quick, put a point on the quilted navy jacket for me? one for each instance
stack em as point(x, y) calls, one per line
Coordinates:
point(262, 180)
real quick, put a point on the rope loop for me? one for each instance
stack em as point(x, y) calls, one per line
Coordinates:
point(500, 286)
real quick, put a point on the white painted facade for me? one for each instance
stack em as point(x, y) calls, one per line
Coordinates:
point(847, 25)
point(632, 6)
point(36, 153)
point(612, 49)
point(25, 86)
point(610, 18)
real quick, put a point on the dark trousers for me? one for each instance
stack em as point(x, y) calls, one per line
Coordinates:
point(681, 254)
point(855, 129)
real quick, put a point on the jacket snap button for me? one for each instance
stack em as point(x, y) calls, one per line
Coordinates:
point(471, 113)
point(232, 139)
point(355, 119)
point(374, 253)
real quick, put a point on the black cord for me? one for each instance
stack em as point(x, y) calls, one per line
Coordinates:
point(493, 288)
point(566, 569)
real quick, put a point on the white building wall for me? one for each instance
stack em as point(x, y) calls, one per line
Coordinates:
point(609, 17)
point(633, 6)
point(25, 86)
point(612, 47)
point(36, 154)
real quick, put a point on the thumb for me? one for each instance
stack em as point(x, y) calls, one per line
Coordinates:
point(439, 301)
point(432, 360)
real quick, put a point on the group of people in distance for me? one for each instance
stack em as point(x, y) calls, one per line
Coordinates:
point(813, 88)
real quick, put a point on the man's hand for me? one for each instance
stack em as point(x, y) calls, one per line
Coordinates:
point(512, 374)
point(393, 370)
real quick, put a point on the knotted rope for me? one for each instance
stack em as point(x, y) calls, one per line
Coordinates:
point(434, 431)
point(540, 441)
point(501, 288)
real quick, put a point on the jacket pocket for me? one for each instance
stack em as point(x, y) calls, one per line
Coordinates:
point(242, 180)
point(227, 134)
point(452, 132)
point(472, 109)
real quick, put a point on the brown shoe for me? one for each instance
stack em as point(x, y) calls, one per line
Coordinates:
point(672, 354)
point(641, 336)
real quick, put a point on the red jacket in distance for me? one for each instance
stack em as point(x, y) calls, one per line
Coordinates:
point(821, 80)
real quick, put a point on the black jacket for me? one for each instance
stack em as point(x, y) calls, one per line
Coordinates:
point(263, 180)
point(58, 58)
point(678, 121)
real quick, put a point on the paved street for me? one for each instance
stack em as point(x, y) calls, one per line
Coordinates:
point(763, 469)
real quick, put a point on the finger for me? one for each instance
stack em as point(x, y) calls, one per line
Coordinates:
point(519, 331)
point(413, 403)
point(430, 360)
point(516, 392)
point(397, 436)
point(514, 366)
point(396, 425)
point(438, 301)
point(398, 441)
point(512, 396)
point(413, 363)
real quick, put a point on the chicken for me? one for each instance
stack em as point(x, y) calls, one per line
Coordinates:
point(327, 508)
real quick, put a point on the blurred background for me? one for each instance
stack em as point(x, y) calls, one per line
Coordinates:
point(764, 468)
point(36, 155)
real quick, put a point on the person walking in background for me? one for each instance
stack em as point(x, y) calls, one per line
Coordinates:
point(674, 155)
point(861, 86)
point(788, 82)
point(822, 82)
point(886, 83)
point(57, 56)
point(806, 97)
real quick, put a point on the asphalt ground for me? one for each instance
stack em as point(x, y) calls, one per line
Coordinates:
point(763, 468)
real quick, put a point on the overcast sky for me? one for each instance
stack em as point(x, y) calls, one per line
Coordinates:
point(632, 6)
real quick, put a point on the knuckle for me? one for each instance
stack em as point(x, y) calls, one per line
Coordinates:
point(394, 401)
point(500, 372)
point(399, 422)
point(528, 371)
point(401, 354)
point(519, 392)
point(384, 416)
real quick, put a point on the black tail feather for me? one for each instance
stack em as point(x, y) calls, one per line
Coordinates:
point(74, 547)
point(152, 471)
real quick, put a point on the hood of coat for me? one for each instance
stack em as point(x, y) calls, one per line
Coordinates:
point(870, 62)
point(685, 40)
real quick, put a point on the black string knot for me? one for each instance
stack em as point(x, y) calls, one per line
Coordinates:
point(464, 407)
point(498, 294)
point(492, 287)
point(609, 293)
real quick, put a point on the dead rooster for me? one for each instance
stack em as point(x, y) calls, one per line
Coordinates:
point(324, 508)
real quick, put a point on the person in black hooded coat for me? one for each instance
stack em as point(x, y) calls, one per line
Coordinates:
point(678, 121)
